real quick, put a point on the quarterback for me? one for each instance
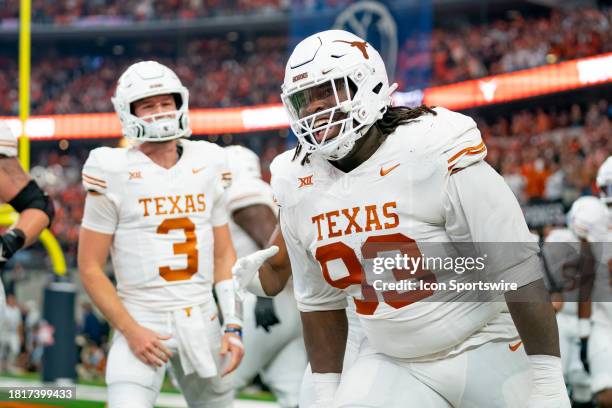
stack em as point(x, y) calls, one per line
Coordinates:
point(19, 190)
point(368, 178)
point(160, 208)
point(273, 342)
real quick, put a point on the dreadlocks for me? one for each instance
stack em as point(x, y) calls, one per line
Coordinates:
point(400, 115)
point(394, 116)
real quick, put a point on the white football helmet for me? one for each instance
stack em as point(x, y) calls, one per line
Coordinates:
point(339, 64)
point(8, 141)
point(588, 219)
point(243, 162)
point(142, 80)
point(604, 181)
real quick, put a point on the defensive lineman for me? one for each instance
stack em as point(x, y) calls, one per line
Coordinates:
point(374, 176)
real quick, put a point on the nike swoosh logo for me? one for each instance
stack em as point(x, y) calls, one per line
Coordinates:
point(514, 347)
point(327, 72)
point(384, 172)
point(196, 171)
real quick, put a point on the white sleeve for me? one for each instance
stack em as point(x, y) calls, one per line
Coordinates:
point(312, 292)
point(100, 214)
point(480, 208)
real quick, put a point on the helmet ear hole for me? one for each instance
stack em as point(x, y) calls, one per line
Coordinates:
point(178, 100)
point(377, 88)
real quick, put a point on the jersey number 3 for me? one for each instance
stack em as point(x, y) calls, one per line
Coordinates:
point(370, 250)
point(189, 247)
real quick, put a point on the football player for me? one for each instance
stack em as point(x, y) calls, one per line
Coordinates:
point(273, 342)
point(19, 190)
point(160, 208)
point(600, 343)
point(368, 179)
point(572, 255)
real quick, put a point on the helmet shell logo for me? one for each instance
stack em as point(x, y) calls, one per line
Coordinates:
point(361, 45)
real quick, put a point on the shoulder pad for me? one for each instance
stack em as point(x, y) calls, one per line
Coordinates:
point(284, 182)
point(212, 154)
point(101, 167)
point(247, 191)
point(8, 141)
point(561, 235)
point(460, 141)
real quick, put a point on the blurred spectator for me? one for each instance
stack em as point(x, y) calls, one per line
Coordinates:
point(235, 71)
point(92, 329)
point(12, 336)
point(558, 158)
point(473, 51)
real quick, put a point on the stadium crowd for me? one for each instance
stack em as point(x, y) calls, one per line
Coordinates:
point(80, 12)
point(230, 71)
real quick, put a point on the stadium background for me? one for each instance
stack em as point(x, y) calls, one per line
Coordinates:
point(536, 76)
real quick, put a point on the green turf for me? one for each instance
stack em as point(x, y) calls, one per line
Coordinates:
point(56, 403)
point(166, 387)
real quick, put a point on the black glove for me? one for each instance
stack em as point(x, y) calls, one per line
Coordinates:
point(584, 343)
point(265, 316)
point(10, 243)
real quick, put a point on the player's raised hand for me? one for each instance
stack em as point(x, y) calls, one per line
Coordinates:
point(246, 268)
point(232, 343)
point(147, 345)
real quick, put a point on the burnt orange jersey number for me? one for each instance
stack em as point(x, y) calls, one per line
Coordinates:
point(370, 249)
point(189, 247)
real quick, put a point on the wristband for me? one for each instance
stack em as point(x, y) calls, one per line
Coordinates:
point(325, 386)
point(546, 375)
point(227, 301)
point(234, 330)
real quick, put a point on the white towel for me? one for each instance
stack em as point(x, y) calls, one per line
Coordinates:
point(192, 338)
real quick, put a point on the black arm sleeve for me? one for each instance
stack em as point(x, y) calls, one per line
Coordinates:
point(32, 196)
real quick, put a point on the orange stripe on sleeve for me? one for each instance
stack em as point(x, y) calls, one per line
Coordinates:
point(94, 178)
point(467, 149)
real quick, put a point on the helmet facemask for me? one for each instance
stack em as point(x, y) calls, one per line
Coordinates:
point(161, 126)
point(604, 181)
point(347, 74)
point(332, 129)
point(605, 193)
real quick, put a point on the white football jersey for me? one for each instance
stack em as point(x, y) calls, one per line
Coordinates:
point(8, 141)
point(426, 183)
point(602, 307)
point(244, 192)
point(162, 249)
point(562, 256)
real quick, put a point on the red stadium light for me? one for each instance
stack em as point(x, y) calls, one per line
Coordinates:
point(468, 94)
